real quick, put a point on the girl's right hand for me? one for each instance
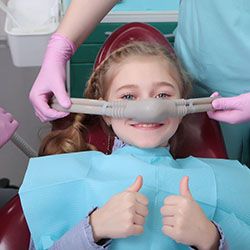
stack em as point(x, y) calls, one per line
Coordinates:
point(122, 216)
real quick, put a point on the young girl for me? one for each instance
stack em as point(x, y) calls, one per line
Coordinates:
point(158, 210)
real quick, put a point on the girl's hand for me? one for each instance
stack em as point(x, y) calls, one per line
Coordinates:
point(185, 222)
point(122, 216)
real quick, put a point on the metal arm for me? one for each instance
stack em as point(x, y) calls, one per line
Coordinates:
point(148, 110)
point(23, 145)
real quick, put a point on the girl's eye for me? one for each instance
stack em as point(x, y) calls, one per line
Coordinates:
point(128, 97)
point(163, 95)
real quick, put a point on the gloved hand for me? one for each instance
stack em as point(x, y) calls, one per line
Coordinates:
point(51, 79)
point(122, 216)
point(185, 222)
point(231, 109)
point(8, 126)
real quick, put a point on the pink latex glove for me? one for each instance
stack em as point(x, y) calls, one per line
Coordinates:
point(8, 126)
point(231, 109)
point(51, 79)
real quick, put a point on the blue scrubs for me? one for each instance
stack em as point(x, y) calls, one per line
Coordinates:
point(213, 42)
point(58, 191)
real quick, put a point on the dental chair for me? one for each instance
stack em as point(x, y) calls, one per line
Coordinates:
point(201, 138)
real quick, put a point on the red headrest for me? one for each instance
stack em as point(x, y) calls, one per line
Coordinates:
point(131, 32)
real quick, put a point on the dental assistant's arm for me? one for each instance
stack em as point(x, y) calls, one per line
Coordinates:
point(80, 19)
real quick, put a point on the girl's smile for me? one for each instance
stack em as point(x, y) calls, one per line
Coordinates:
point(148, 126)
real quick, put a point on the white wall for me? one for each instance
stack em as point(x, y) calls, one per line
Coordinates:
point(2, 17)
point(15, 84)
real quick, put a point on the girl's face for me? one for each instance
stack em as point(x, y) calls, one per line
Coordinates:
point(139, 78)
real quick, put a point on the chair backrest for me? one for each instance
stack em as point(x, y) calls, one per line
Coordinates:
point(131, 32)
point(201, 138)
point(14, 232)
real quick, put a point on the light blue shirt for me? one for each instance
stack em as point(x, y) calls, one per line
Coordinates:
point(213, 42)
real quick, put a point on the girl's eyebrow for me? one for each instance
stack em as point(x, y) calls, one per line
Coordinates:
point(127, 86)
point(155, 84)
point(163, 84)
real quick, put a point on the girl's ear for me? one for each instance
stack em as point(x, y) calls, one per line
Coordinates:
point(107, 120)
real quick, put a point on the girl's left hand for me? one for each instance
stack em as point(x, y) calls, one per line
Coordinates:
point(185, 222)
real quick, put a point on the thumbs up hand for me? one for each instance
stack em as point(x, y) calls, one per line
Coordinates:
point(123, 215)
point(185, 222)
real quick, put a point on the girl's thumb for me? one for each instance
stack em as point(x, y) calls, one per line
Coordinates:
point(184, 188)
point(136, 186)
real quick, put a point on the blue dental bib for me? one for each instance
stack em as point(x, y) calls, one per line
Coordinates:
point(58, 191)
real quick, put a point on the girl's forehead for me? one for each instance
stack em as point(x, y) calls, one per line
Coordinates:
point(156, 68)
point(134, 62)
